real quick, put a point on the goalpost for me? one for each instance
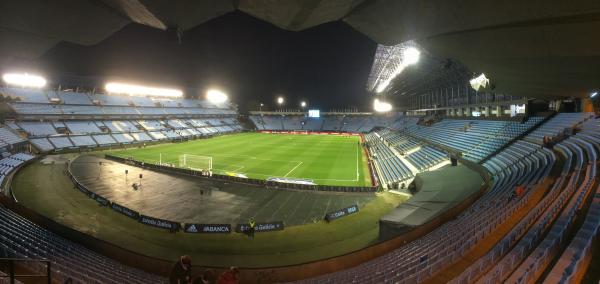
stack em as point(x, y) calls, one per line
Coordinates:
point(195, 162)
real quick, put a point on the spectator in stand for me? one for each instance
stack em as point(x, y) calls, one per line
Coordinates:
point(182, 271)
point(230, 276)
point(208, 277)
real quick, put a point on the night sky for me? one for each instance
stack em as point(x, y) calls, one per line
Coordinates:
point(252, 60)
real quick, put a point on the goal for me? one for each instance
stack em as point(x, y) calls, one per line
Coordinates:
point(201, 163)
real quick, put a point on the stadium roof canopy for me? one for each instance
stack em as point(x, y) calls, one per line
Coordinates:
point(537, 48)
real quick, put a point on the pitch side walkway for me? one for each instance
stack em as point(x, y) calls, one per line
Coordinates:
point(194, 200)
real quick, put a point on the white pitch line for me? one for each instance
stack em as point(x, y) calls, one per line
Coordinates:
point(300, 163)
point(357, 153)
point(332, 179)
point(239, 168)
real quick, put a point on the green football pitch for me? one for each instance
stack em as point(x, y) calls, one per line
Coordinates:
point(321, 159)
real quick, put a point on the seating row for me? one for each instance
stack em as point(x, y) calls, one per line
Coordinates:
point(349, 123)
point(82, 98)
point(87, 110)
point(45, 144)
point(20, 238)
point(476, 139)
point(522, 164)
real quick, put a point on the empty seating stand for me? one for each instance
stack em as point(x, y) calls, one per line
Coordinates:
point(575, 258)
point(123, 138)
point(24, 239)
point(25, 95)
point(83, 141)
point(43, 144)
point(11, 162)
point(112, 132)
point(388, 165)
point(7, 137)
point(36, 129)
point(560, 123)
point(426, 157)
point(476, 139)
point(104, 139)
point(521, 163)
point(329, 122)
point(82, 127)
point(60, 142)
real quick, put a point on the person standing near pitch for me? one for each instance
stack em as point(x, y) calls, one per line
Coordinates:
point(182, 271)
point(251, 228)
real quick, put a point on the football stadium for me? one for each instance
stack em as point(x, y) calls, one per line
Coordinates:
point(299, 141)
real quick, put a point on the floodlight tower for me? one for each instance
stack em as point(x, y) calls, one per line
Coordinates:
point(280, 102)
point(216, 96)
point(381, 106)
point(24, 80)
point(410, 56)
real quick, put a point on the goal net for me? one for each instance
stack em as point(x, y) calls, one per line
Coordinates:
point(201, 163)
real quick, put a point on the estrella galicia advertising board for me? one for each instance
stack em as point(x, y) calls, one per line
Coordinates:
point(341, 213)
point(260, 227)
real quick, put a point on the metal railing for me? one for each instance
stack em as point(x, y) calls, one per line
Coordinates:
point(10, 264)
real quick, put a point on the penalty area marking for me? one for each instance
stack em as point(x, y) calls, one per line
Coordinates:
point(232, 156)
point(238, 167)
point(288, 173)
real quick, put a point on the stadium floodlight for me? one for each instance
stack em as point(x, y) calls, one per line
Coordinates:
point(303, 104)
point(24, 80)
point(137, 90)
point(380, 106)
point(479, 82)
point(280, 100)
point(594, 94)
point(216, 96)
point(410, 56)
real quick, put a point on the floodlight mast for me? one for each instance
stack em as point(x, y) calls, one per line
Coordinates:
point(138, 90)
point(280, 102)
point(389, 62)
point(216, 96)
point(24, 80)
point(410, 56)
point(381, 106)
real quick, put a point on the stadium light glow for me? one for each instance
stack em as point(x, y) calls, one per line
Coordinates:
point(137, 90)
point(24, 80)
point(594, 94)
point(479, 82)
point(280, 100)
point(381, 106)
point(216, 96)
point(410, 56)
point(303, 104)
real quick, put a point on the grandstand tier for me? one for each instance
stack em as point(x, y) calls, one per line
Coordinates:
point(541, 172)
